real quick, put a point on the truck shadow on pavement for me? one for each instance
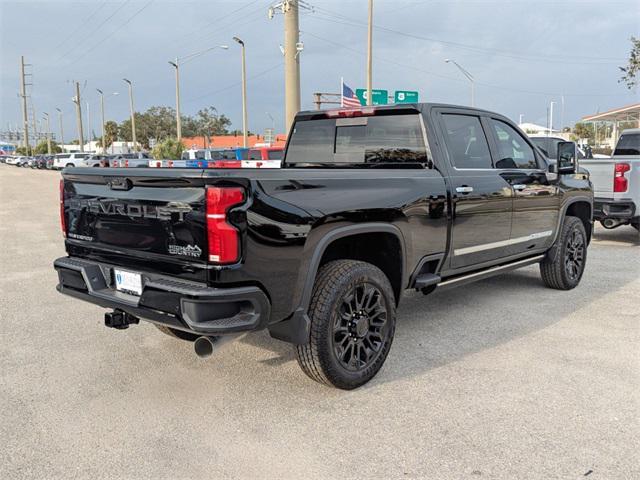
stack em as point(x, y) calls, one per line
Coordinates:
point(446, 326)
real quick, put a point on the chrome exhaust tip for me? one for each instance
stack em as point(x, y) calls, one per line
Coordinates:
point(205, 346)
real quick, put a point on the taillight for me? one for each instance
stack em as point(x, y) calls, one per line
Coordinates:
point(126, 163)
point(63, 223)
point(620, 183)
point(223, 238)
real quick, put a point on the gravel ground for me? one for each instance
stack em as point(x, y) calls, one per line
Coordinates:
point(500, 379)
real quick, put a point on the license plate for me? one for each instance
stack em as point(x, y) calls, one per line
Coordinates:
point(128, 282)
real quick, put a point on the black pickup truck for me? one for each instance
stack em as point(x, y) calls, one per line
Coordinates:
point(369, 202)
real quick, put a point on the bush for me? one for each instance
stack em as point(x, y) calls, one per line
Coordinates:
point(170, 149)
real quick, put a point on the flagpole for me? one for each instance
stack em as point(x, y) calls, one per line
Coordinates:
point(341, 92)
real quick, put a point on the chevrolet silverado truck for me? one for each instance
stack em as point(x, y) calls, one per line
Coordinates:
point(368, 203)
point(616, 183)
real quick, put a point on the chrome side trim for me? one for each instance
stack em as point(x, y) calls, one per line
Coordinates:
point(502, 243)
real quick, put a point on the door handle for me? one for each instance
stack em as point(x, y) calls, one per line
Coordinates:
point(464, 189)
point(519, 186)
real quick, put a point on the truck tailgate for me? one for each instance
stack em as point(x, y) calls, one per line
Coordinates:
point(601, 175)
point(137, 216)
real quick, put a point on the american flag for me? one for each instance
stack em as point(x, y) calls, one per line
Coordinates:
point(349, 98)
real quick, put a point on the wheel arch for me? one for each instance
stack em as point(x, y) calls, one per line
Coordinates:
point(581, 208)
point(296, 328)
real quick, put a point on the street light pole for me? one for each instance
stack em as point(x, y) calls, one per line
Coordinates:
point(46, 116)
point(176, 65)
point(61, 130)
point(244, 94)
point(103, 142)
point(133, 117)
point(469, 77)
point(178, 119)
point(370, 55)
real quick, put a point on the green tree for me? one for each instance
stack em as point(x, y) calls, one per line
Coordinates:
point(24, 151)
point(169, 148)
point(110, 133)
point(630, 72)
point(584, 130)
point(42, 148)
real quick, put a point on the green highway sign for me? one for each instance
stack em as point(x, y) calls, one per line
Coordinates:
point(378, 97)
point(405, 96)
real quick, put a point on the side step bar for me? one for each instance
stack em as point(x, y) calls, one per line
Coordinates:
point(490, 272)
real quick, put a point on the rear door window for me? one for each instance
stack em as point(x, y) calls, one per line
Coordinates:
point(229, 155)
point(466, 141)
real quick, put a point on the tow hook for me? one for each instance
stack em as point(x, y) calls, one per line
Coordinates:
point(119, 319)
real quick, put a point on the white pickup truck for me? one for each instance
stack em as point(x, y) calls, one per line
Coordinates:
point(616, 183)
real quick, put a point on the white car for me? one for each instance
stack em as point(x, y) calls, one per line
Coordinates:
point(13, 160)
point(62, 160)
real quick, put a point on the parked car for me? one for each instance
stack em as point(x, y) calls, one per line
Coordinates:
point(265, 153)
point(200, 158)
point(96, 160)
point(63, 160)
point(130, 160)
point(616, 183)
point(13, 160)
point(32, 162)
point(168, 163)
point(24, 161)
point(369, 202)
point(549, 146)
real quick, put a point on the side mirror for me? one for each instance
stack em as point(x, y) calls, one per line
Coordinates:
point(567, 157)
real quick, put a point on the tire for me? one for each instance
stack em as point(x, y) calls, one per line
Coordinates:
point(346, 351)
point(172, 332)
point(563, 269)
point(69, 165)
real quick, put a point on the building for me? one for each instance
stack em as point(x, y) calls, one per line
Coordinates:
point(231, 141)
point(629, 114)
point(535, 129)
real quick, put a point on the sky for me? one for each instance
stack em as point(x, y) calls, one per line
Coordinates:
point(523, 55)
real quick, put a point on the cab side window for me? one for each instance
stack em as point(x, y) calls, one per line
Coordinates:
point(466, 141)
point(513, 149)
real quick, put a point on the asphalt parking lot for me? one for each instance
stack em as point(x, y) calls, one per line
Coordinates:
point(500, 379)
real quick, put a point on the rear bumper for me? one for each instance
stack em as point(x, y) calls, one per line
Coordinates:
point(623, 209)
point(187, 306)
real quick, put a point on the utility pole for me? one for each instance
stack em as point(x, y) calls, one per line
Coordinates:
point(133, 117)
point(244, 94)
point(103, 142)
point(46, 117)
point(76, 100)
point(61, 130)
point(550, 118)
point(25, 115)
point(291, 60)
point(520, 120)
point(178, 119)
point(370, 55)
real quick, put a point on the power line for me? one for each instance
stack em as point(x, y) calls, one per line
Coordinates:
point(97, 28)
point(488, 85)
point(120, 27)
point(252, 77)
point(80, 26)
point(546, 58)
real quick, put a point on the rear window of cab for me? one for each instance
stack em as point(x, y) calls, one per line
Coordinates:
point(385, 139)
